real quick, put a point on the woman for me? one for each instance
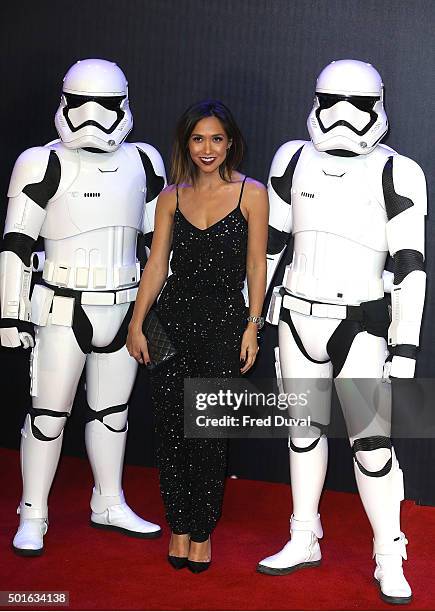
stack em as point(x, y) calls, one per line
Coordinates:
point(215, 220)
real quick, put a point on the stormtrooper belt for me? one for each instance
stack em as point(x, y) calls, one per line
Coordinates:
point(320, 309)
point(97, 298)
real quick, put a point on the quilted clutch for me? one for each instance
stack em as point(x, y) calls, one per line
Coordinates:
point(160, 347)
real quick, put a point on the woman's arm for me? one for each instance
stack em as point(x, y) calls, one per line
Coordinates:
point(154, 275)
point(257, 209)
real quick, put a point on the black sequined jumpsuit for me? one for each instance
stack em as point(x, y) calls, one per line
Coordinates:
point(203, 311)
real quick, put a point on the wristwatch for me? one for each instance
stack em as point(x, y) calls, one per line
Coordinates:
point(259, 321)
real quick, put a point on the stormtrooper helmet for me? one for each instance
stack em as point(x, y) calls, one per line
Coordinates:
point(348, 113)
point(94, 110)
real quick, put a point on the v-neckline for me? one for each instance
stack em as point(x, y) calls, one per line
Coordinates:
point(205, 229)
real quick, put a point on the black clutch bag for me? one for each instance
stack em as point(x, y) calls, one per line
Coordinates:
point(160, 347)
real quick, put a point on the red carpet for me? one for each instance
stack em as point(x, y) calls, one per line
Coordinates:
point(105, 571)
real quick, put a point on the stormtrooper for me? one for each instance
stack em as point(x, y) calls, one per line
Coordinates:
point(348, 201)
point(88, 195)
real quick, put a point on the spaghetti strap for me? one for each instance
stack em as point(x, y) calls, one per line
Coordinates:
point(241, 192)
point(176, 189)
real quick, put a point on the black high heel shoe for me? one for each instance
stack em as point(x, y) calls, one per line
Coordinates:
point(196, 567)
point(177, 562)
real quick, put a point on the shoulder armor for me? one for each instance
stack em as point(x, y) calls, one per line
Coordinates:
point(284, 154)
point(56, 141)
point(404, 186)
point(283, 168)
point(154, 169)
point(153, 154)
point(29, 168)
point(70, 166)
point(385, 149)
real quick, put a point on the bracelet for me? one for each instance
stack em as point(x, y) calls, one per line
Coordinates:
point(259, 321)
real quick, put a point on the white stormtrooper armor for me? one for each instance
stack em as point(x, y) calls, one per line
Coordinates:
point(348, 202)
point(89, 195)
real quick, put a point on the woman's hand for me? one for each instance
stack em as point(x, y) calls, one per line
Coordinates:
point(249, 348)
point(137, 345)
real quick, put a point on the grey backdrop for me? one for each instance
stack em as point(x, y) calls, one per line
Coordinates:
point(261, 57)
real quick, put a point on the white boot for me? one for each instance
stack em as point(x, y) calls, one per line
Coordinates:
point(29, 539)
point(393, 586)
point(301, 551)
point(39, 460)
point(106, 454)
point(113, 513)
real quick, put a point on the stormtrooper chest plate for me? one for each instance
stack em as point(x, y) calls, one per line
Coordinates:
point(96, 191)
point(339, 196)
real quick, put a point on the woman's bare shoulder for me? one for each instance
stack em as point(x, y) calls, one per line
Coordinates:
point(168, 191)
point(255, 187)
point(255, 199)
point(168, 197)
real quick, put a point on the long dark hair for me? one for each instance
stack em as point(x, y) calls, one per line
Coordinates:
point(183, 170)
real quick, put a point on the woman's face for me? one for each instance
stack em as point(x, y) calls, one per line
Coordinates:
point(208, 144)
